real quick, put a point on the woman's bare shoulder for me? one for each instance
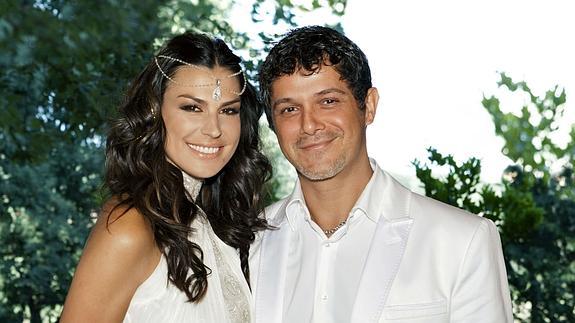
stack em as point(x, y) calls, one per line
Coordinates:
point(123, 226)
point(125, 237)
point(120, 254)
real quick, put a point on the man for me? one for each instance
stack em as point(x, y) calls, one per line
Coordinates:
point(351, 244)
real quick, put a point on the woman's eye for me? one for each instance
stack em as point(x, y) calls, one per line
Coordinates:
point(191, 107)
point(230, 110)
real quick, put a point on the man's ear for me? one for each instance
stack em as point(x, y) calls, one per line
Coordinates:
point(371, 100)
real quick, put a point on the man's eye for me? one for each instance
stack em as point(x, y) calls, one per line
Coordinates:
point(230, 110)
point(329, 101)
point(191, 107)
point(287, 109)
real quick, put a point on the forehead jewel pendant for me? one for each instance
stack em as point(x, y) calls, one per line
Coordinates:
point(217, 95)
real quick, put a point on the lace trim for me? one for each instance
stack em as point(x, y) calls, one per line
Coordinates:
point(235, 300)
point(192, 185)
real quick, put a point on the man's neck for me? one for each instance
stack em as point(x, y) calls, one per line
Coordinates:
point(330, 201)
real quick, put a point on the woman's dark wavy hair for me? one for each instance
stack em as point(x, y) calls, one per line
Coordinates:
point(309, 48)
point(140, 177)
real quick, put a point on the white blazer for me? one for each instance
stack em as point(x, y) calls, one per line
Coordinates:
point(428, 262)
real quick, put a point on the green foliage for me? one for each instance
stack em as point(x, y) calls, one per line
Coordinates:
point(459, 187)
point(64, 69)
point(62, 80)
point(533, 207)
point(65, 65)
point(528, 136)
point(286, 11)
point(45, 211)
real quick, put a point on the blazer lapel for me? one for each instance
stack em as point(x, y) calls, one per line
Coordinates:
point(386, 252)
point(272, 273)
point(381, 266)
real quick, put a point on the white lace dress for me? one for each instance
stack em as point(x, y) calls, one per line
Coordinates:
point(227, 298)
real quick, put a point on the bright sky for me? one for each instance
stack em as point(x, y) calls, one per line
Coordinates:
point(433, 61)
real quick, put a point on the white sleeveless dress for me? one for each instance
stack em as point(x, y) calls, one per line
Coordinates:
point(227, 298)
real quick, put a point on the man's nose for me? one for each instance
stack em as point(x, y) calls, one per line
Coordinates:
point(311, 122)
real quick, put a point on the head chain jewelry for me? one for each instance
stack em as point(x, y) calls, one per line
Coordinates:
point(217, 94)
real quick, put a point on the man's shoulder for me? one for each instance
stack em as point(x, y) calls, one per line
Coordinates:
point(424, 209)
point(422, 203)
point(430, 213)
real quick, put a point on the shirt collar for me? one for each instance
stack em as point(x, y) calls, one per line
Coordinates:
point(295, 206)
point(367, 204)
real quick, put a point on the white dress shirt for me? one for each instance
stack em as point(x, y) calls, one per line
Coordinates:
point(323, 277)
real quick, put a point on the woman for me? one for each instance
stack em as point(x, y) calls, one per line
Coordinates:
point(185, 174)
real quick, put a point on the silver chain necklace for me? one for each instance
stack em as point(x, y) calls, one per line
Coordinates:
point(331, 231)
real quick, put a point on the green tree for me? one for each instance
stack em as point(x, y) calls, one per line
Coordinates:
point(63, 72)
point(45, 219)
point(533, 207)
point(65, 65)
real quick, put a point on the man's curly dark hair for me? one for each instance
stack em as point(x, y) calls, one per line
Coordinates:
point(309, 48)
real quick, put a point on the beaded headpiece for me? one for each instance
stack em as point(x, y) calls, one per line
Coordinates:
point(217, 94)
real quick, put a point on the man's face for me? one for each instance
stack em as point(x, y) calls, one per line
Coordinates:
point(319, 125)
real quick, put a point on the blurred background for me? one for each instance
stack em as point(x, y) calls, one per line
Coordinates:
point(473, 112)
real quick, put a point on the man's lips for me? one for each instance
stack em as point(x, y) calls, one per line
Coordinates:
point(315, 144)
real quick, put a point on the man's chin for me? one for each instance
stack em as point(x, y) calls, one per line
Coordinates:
point(313, 173)
point(317, 175)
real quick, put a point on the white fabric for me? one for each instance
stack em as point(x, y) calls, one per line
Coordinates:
point(227, 298)
point(400, 258)
point(316, 260)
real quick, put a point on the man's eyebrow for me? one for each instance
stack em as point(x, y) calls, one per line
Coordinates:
point(320, 93)
point(330, 90)
point(282, 100)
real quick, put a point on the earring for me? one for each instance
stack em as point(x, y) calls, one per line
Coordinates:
point(153, 112)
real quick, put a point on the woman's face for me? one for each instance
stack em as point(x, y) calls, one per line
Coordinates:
point(202, 133)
